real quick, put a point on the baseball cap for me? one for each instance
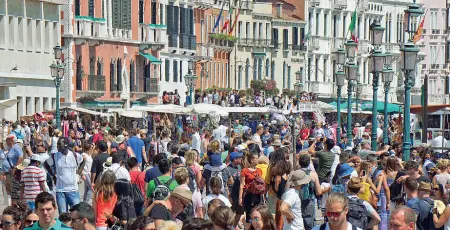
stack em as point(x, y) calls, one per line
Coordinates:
point(235, 155)
point(13, 137)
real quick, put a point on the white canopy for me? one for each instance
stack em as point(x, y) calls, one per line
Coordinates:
point(248, 109)
point(83, 110)
point(168, 108)
point(209, 108)
point(4, 104)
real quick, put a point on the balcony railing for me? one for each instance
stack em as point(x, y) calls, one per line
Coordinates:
point(301, 47)
point(93, 83)
point(218, 41)
point(192, 42)
point(115, 87)
point(153, 33)
point(173, 40)
point(146, 85)
point(204, 50)
point(184, 41)
point(340, 4)
point(89, 26)
point(246, 41)
point(247, 4)
point(337, 43)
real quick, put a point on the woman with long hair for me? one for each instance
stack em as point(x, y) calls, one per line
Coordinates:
point(383, 181)
point(222, 218)
point(124, 209)
point(277, 156)
point(192, 158)
point(249, 174)
point(215, 187)
point(441, 218)
point(278, 184)
point(29, 219)
point(261, 219)
point(205, 143)
point(104, 199)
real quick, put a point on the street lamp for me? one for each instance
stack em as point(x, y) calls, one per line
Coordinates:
point(298, 86)
point(57, 73)
point(378, 60)
point(351, 70)
point(388, 77)
point(340, 80)
point(359, 88)
point(190, 79)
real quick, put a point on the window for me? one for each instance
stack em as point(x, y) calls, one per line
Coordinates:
point(20, 38)
point(132, 81)
point(104, 8)
point(365, 73)
point(167, 70)
point(289, 77)
point(344, 29)
point(317, 23)
point(255, 30)
point(161, 14)
point(38, 35)
point(309, 68)
point(260, 31)
point(247, 66)
point(77, 7)
point(284, 75)
point(267, 30)
point(255, 68)
point(141, 12)
point(247, 30)
point(285, 39)
point(325, 25)
point(434, 20)
point(121, 14)
point(295, 35)
point(119, 74)
point(239, 29)
point(175, 71)
point(55, 34)
point(272, 73)
point(112, 74)
point(181, 71)
point(442, 51)
point(228, 81)
point(324, 70)
point(11, 32)
point(2, 31)
point(335, 26)
point(214, 74)
point(260, 68)
point(30, 34)
point(267, 67)
point(92, 66)
point(91, 8)
point(79, 73)
point(239, 76)
point(316, 67)
point(48, 31)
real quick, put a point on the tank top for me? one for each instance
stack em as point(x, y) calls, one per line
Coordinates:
point(281, 187)
point(54, 147)
point(103, 207)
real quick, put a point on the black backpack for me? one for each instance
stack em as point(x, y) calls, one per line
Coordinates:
point(123, 153)
point(426, 222)
point(136, 193)
point(187, 213)
point(357, 213)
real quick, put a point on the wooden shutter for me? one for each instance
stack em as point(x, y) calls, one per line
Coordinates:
point(176, 19)
point(132, 81)
point(175, 71)
point(154, 12)
point(116, 14)
point(119, 74)
point(77, 7)
point(167, 68)
point(112, 76)
point(126, 14)
point(91, 8)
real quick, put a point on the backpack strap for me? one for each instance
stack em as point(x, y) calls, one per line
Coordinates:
point(169, 182)
point(324, 226)
point(354, 227)
point(157, 182)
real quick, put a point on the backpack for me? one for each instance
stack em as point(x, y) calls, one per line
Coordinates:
point(187, 213)
point(162, 190)
point(338, 187)
point(192, 182)
point(357, 213)
point(257, 186)
point(136, 193)
point(426, 222)
point(219, 174)
point(307, 192)
point(18, 135)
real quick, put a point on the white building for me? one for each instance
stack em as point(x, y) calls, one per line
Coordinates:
point(328, 23)
point(29, 29)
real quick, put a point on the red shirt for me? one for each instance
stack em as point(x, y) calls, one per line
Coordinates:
point(250, 175)
point(137, 178)
point(304, 133)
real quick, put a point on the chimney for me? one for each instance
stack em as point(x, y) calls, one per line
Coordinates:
point(279, 9)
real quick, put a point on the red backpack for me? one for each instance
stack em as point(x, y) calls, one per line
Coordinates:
point(257, 186)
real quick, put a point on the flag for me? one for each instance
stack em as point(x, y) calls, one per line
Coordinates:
point(419, 32)
point(352, 28)
point(218, 20)
point(235, 20)
point(306, 38)
point(227, 22)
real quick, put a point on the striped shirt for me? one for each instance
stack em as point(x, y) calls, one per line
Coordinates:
point(31, 177)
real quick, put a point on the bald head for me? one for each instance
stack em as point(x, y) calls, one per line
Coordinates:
point(402, 218)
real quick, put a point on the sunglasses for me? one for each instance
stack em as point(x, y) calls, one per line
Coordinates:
point(334, 214)
point(30, 222)
point(7, 223)
point(184, 205)
point(256, 219)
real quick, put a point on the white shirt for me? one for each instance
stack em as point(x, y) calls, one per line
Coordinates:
point(196, 142)
point(437, 142)
point(349, 227)
point(379, 132)
point(120, 172)
point(291, 197)
point(88, 164)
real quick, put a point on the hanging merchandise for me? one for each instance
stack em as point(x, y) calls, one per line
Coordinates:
point(213, 120)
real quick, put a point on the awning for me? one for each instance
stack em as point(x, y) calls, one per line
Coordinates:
point(417, 109)
point(256, 54)
point(4, 104)
point(151, 58)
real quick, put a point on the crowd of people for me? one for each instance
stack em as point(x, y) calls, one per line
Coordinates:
point(107, 178)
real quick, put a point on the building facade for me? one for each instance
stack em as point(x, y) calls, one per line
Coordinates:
point(328, 26)
point(269, 43)
point(434, 40)
point(28, 32)
point(111, 52)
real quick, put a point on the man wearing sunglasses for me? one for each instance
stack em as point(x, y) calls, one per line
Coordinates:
point(11, 218)
point(83, 217)
point(336, 212)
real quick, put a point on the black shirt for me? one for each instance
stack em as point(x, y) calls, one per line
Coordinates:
point(160, 212)
point(97, 164)
point(423, 178)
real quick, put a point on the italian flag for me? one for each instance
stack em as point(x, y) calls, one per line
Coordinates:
point(352, 28)
point(227, 22)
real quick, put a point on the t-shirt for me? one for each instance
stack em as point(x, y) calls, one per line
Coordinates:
point(12, 157)
point(349, 227)
point(163, 179)
point(97, 164)
point(326, 160)
point(160, 212)
point(57, 226)
point(31, 177)
point(363, 153)
point(136, 144)
point(87, 164)
point(138, 178)
point(291, 197)
point(235, 172)
point(152, 173)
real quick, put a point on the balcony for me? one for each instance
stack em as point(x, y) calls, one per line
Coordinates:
point(363, 5)
point(314, 2)
point(363, 47)
point(204, 51)
point(324, 89)
point(91, 86)
point(152, 36)
point(222, 41)
point(184, 41)
point(245, 42)
point(314, 42)
point(339, 4)
point(89, 28)
point(145, 87)
point(393, 48)
point(247, 4)
point(301, 47)
point(337, 43)
point(204, 4)
point(436, 98)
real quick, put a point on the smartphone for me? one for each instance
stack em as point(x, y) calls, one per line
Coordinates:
point(363, 173)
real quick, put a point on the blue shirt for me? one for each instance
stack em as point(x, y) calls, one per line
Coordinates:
point(12, 157)
point(152, 174)
point(136, 144)
point(66, 171)
point(188, 100)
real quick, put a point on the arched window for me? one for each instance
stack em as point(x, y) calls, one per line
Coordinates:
point(272, 74)
point(247, 66)
point(267, 67)
point(239, 76)
point(255, 70)
point(260, 68)
point(79, 74)
point(284, 75)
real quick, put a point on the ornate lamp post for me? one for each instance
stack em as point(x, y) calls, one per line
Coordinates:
point(298, 87)
point(377, 58)
point(340, 80)
point(409, 53)
point(351, 69)
point(388, 77)
point(190, 80)
point(359, 88)
point(57, 72)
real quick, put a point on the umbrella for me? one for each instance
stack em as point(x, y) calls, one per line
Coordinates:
point(391, 108)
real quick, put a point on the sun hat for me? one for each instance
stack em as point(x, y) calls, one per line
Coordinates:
point(440, 206)
point(336, 150)
point(182, 194)
point(57, 132)
point(108, 162)
point(299, 177)
point(13, 137)
point(345, 170)
point(277, 142)
point(24, 164)
point(119, 139)
point(36, 157)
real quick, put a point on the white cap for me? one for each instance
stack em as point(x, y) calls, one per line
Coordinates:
point(36, 157)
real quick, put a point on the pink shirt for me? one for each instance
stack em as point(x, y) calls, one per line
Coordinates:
point(196, 198)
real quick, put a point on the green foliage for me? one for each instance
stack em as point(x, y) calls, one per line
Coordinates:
point(288, 92)
point(269, 87)
point(224, 37)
